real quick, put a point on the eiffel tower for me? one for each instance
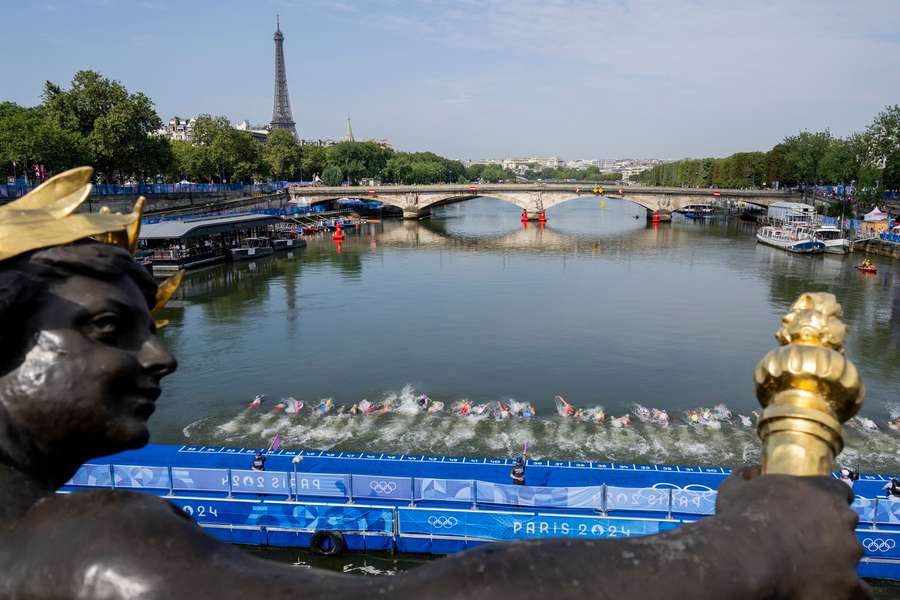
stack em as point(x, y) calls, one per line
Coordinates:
point(281, 111)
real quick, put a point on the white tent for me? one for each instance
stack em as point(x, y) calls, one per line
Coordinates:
point(875, 215)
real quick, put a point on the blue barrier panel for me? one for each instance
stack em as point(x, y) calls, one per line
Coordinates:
point(322, 484)
point(888, 511)
point(309, 517)
point(444, 490)
point(529, 495)
point(259, 482)
point(200, 480)
point(132, 476)
point(865, 508)
point(489, 525)
point(382, 487)
point(89, 475)
point(646, 499)
point(880, 544)
point(694, 502)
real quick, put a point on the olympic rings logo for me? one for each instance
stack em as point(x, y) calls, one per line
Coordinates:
point(442, 522)
point(382, 487)
point(879, 544)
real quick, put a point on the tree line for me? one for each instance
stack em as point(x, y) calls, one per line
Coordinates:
point(868, 160)
point(97, 121)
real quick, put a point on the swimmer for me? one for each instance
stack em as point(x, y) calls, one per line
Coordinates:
point(592, 415)
point(502, 411)
point(619, 422)
point(386, 407)
point(865, 424)
point(324, 407)
point(894, 423)
point(354, 410)
point(528, 410)
point(422, 401)
point(746, 421)
point(294, 406)
point(642, 413)
point(564, 408)
point(435, 407)
point(465, 407)
point(480, 409)
point(721, 412)
point(257, 400)
point(280, 407)
point(366, 407)
point(660, 417)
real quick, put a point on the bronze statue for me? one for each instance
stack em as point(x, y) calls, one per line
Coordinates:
point(81, 370)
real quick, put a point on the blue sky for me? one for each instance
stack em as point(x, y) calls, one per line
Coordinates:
point(471, 79)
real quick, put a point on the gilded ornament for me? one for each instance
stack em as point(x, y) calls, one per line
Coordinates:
point(807, 388)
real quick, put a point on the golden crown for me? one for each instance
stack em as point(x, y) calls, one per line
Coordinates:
point(46, 217)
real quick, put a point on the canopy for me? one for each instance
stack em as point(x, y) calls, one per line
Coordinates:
point(875, 215)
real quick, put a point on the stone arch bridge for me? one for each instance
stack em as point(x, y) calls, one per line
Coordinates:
point(417, 201)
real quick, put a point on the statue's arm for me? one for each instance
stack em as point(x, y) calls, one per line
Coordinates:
point(775, 537)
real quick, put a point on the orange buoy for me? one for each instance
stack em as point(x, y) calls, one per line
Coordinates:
point(542, 218)
point(338, 234)
point(524, 215)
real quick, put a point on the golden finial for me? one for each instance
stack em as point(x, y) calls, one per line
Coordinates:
point(807, 388)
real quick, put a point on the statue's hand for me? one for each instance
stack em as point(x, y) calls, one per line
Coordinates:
point(804, 525)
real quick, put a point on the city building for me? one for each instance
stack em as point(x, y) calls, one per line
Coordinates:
point(260, 133)
point(178, 129)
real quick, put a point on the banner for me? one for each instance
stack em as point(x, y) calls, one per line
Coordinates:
point(382, 487)
point(137, 477)
point(444, 490)
point(306, 517)
point(200, 480)
point(529, 495)
point(488, 525)
point(322, 484)
point(880, 544)
point(92, 476)
point(694, 502)
point(259, 482)
point(644, 499)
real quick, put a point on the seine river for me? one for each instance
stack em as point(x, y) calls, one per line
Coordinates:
point(598, 307)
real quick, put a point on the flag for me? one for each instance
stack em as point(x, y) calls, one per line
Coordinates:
point(276, 443)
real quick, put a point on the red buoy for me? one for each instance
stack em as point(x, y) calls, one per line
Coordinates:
point(655, 218)
point(338, 234)
point(542, 218)
point(524, 215)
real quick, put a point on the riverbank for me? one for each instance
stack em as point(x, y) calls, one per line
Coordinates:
point(878, 247)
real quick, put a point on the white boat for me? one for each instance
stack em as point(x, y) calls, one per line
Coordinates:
point(833, 238)
point(793, 239)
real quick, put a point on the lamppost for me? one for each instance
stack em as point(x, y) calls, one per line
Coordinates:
point(295, 461)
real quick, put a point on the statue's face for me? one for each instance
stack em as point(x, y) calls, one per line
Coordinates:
point(90, 379)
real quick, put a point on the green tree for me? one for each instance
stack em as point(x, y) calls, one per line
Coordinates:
point(225, 154)
point(115, 124)
point(803, 153)
point(27, 137)
point(282, 154)
point(314, 160)
point(839, 164)
point(359, 159)
point(332, 175)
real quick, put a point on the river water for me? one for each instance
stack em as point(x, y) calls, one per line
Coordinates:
point(598, 307)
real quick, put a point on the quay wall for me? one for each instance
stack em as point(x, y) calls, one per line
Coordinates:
point(878, 247)
point(187, 203)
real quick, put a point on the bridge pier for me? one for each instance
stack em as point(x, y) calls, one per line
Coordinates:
point(412, 214)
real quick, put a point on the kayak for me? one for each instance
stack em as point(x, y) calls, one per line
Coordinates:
point(867, 269)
